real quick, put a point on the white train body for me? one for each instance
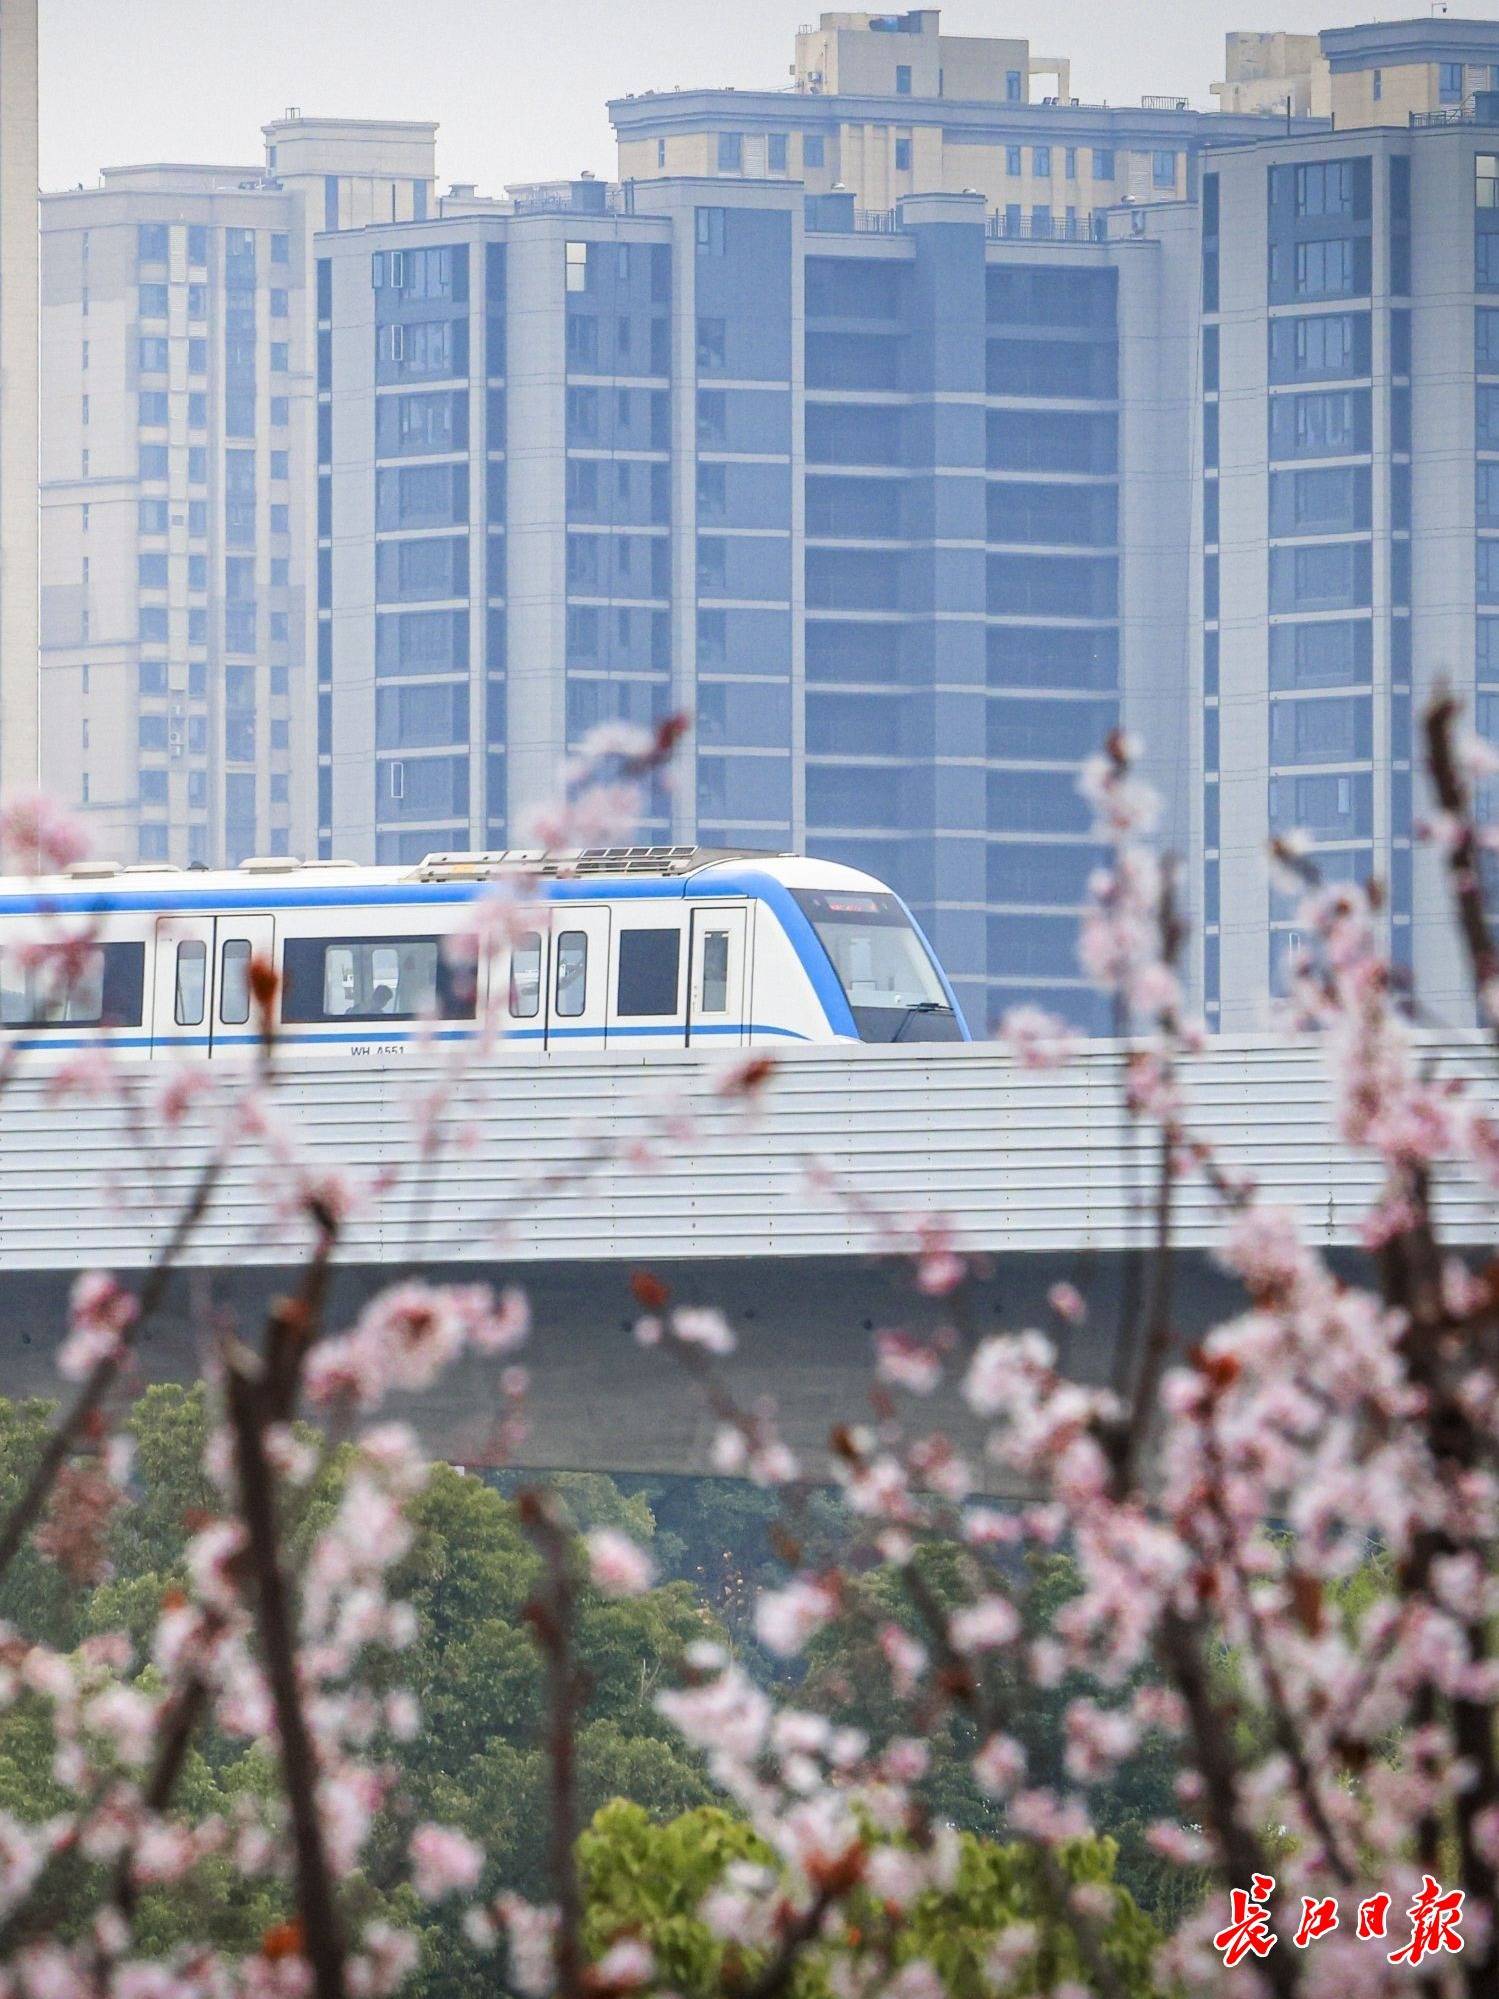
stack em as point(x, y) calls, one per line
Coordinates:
point(622, 948)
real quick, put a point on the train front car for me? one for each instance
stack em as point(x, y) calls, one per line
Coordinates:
point(639, 948)
point(867, 973)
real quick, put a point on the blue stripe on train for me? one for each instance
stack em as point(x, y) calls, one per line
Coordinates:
point(374, 1032)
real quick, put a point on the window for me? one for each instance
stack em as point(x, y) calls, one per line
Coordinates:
point(280, 305)
point(1332, 808)
point(280, 464)
point(903, 156)
point(152, 408)
point(197, 243)
point(812, 149)
point(1013, 91)
point(1013, 164)
point(1449, 83)
point(648, 966)
point(1103, 163)
point(106, 989)
point(151, 572)
point(1324, 266)
point(710, 232)
point(1327, 344)
point(1328, 654)
point(660, 152)
point(730, 152)
point(715, 996)
point(1485, 183)
point(1326, 425)
point(372, 978)
point(153, 461)
point(280, 247)
point(234, 982)
point(192, 983)
point(776, 152)
point(151, 243)
point(153, 301)
point(1378, 85)
point(1163, 169)
point(711, 342)
point(152, 516)
point(525, 976)
point(903, 79)
point(1041, 161)
point(1325, 188)
point(280, 357)
point(572, 974)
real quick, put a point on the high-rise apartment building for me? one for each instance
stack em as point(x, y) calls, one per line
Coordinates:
point(899, 516)
point(18, 398)
point(907, 428)
point(177, 485)
point(1348, 501)
point(886, 105)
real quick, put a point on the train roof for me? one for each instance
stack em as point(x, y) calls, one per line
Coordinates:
point(280, 878)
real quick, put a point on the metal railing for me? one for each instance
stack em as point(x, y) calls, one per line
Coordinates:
point(1045, 228)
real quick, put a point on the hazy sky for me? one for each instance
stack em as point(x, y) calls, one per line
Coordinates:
point(519, 89)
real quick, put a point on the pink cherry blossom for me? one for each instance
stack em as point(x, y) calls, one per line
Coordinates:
point(444, 1861)
point(617, 1565)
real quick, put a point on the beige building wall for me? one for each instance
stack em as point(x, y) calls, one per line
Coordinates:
point(19, 646)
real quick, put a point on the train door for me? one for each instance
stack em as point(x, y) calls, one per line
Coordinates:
point(202, 999)
point(238, 939)
point(716, 981)
point(578, 989)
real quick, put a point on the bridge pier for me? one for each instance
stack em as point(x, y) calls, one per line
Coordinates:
point(598, 1402)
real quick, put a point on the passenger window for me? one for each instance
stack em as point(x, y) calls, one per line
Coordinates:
point(234, 982)
point(572, 974)
point(525, 976)
point(192, 981)
point(716, 972)
point(372, 978)
point(648, 962)
point(106, 989)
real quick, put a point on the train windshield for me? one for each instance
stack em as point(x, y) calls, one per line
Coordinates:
point(885, 970)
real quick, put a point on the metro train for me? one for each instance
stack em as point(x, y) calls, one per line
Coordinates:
point(631, 947)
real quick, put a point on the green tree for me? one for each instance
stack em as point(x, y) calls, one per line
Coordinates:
point(648, 1880)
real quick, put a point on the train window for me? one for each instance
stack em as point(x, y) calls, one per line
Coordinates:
point(370, 978)
point(525, 976)
point(572, 974)
point(648, 961)
point(716, 972)
point(100, 986)
point(234, 982)
point(192, 983)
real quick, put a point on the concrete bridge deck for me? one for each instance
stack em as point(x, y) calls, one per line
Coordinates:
point(540, 1176)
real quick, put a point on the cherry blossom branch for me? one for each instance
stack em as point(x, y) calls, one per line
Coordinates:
point(258, 1397)
point(550, 1614)
point(1462, 852)
point(129, 1324)
point(79, 1417)
point(964, 1688)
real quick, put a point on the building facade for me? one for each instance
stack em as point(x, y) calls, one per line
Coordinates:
point(18, 399)
point(1348, 473)
point(177, 482)
point(885, 105)
point(898, 516)
point(905, 429)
